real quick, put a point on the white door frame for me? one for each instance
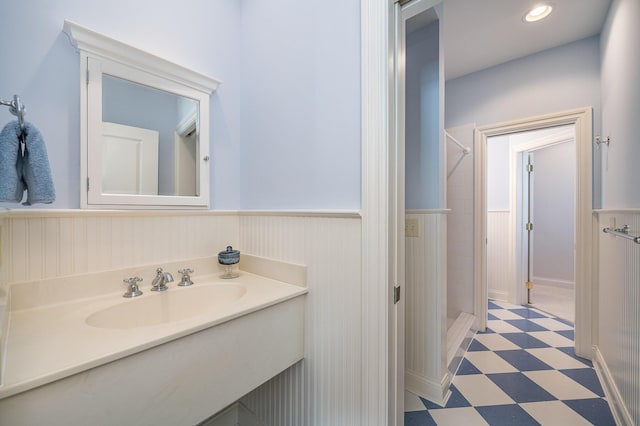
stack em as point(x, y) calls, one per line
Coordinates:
point(516, 290)
point(403, 11)
point(582, 120)
point(382, 366)
point(378, 366)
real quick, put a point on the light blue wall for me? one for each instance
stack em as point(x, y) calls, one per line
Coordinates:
point(42, 67)
point(558, 79)
point(293, 66)
point(300, 104)
point(620, 47)
point(422, 135)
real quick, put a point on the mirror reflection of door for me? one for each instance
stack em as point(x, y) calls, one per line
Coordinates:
point(129, 160)
point(175, 119)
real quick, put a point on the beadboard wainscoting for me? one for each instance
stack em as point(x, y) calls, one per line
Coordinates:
point(498, 268)
point(617, 352)
point(55, 243)
point(426, 307)
point(324, 388)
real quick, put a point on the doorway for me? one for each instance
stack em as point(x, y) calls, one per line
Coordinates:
point(581, 120)
point(531, 175)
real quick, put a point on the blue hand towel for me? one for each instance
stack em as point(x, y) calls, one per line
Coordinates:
point(11, 184)
point(36, 172)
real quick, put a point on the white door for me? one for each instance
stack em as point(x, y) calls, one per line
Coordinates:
point(553, 217)
point(129, 160)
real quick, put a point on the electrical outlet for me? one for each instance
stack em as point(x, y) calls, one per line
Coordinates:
point(411, 228)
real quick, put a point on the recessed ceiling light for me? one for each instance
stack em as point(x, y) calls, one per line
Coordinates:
point(538, 13)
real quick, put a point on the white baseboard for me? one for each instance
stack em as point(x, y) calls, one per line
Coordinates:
point(498, 295)
point(616, 403)
point(459, 336)
point(552, 282)
point(435, 391)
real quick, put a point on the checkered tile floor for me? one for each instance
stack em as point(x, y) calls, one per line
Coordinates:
point(521, 371)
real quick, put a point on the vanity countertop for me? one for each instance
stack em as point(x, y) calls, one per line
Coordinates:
point(50, 342)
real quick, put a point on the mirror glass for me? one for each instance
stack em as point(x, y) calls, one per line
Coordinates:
point(150, 140)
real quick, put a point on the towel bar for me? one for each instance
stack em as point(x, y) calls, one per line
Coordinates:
point(622, 232)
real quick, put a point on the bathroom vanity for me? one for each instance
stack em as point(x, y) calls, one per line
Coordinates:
point(174, 357)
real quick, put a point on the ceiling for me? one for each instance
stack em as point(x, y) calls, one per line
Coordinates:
point(479, 34)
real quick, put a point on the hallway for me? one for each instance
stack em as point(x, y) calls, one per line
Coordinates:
point(559, 301)
point(521, 371)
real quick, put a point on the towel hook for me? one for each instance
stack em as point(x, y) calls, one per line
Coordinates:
point(602, 141)
point(16, 107)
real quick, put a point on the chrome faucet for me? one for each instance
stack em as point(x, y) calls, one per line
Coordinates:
point(132, 289)
point(159, 283)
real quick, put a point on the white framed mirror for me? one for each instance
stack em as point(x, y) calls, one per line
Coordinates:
point(144, 127)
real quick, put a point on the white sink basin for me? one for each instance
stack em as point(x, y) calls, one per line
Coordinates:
point(176, 304)
point(74, 336)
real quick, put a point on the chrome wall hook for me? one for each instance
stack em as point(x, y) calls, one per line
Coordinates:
point(16, 107)
point(599, 141)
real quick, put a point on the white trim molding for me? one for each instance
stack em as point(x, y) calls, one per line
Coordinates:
point(101, 45)
point(586, 318)
point(428, 211)
point(377, 365)
point(398, 13)
point(345, 214)
point(437, 391)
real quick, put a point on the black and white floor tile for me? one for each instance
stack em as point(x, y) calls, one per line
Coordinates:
point(521, 371)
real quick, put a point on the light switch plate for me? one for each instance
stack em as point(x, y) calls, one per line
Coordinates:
point(411, 228)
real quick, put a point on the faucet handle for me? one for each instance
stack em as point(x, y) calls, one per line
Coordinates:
point(160, 281)
point(133, 290)
point(186, 279)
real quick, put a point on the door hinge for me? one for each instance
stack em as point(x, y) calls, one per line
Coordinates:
point(87, 184)
point(87, 76)
point(396, 294)
point(529, 285)
point(530, 168)
point(529, 226)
